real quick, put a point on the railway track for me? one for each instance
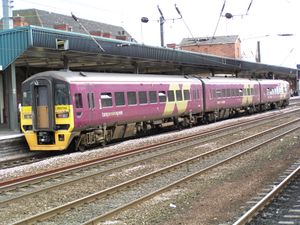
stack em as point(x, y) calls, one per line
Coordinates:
point(36, 157)
point(186, 169)
point(280, 205)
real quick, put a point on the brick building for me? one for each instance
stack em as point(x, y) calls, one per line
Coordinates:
point(227, 46)
point(41, 18)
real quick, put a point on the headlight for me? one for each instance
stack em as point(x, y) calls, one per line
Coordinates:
point(27, 116)
point(62, 115)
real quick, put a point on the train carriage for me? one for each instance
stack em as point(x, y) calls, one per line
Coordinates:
point(225, 97)
point(274, 93)
point(89, 108)
point(62, 109)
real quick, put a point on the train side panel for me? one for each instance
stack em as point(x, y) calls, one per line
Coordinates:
point(230, 94)
point(274, 93)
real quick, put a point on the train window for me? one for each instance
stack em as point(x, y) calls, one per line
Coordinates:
point(27, 99)
point(119, 98)
point(131, 97)
point(78, 100)
point(61, 94)
point(227, 92)
point(106, 99)
point(240, 92)
point(223, 93)
point(218, 93)
point(186, 95)
point(152, 96)
point(232, 92)
point(171, 96)
point(91, 102)
point(178, 95)
point(198, 94)
point(162, 96)
point(142, 97)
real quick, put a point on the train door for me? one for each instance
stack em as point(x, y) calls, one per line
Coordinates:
point(91, 107)
point(42, 105)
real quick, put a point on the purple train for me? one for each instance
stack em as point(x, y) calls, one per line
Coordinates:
point(80, 109)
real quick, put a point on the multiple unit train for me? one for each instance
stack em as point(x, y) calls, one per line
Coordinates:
point(61, 109)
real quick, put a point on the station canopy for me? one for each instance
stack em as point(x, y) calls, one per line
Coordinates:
point(52, 49)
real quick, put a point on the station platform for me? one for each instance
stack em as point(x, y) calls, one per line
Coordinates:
point(6, 133)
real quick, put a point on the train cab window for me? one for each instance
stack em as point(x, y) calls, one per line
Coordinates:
point(178, 95)
point(78, 100)
point(142, 97)
point(186, 95)
point(152, 96)
point(106, 99)
point(162, 96)
point(171, 96)
point(120, 98)
point(27, 99)
point(61, 94)
point(131, 98)
point(218, 93)
point(91, 102)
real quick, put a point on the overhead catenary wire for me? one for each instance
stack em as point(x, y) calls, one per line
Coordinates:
point(80, 24)
point(222, 9)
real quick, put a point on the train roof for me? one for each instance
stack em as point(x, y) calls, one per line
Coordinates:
point(74, 77)
point(225, 80)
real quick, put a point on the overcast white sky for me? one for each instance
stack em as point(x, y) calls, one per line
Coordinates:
point(265, 19)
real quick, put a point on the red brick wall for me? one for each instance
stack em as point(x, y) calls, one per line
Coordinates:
point(227, 50)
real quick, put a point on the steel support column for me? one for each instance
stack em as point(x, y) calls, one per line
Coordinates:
point(12, 96)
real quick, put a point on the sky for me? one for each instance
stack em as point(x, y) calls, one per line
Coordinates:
point(265, 22)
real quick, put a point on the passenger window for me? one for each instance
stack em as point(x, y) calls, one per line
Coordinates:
point(106, 99)
point(186, 95)
point(131, 97)
point(171, 96)
point(162, 96)
point(91, 102)
point(241, 92)
point(227, 92)
point(78, 100)
point(119, 98)
point(142, 97)
point(223, 93)
point(178, 95)
point(152, 96)
point(218, 93)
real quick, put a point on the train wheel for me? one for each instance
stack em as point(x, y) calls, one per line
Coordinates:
point(78, 145)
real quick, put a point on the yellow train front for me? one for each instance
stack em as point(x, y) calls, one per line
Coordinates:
point(46, 114)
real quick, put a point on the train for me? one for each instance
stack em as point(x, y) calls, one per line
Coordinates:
point(66, 109)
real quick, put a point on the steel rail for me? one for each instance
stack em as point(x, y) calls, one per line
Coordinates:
point(111, 213)
point(108, 191)
point(10, 184)
point(189, 145)
point(250, 214)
